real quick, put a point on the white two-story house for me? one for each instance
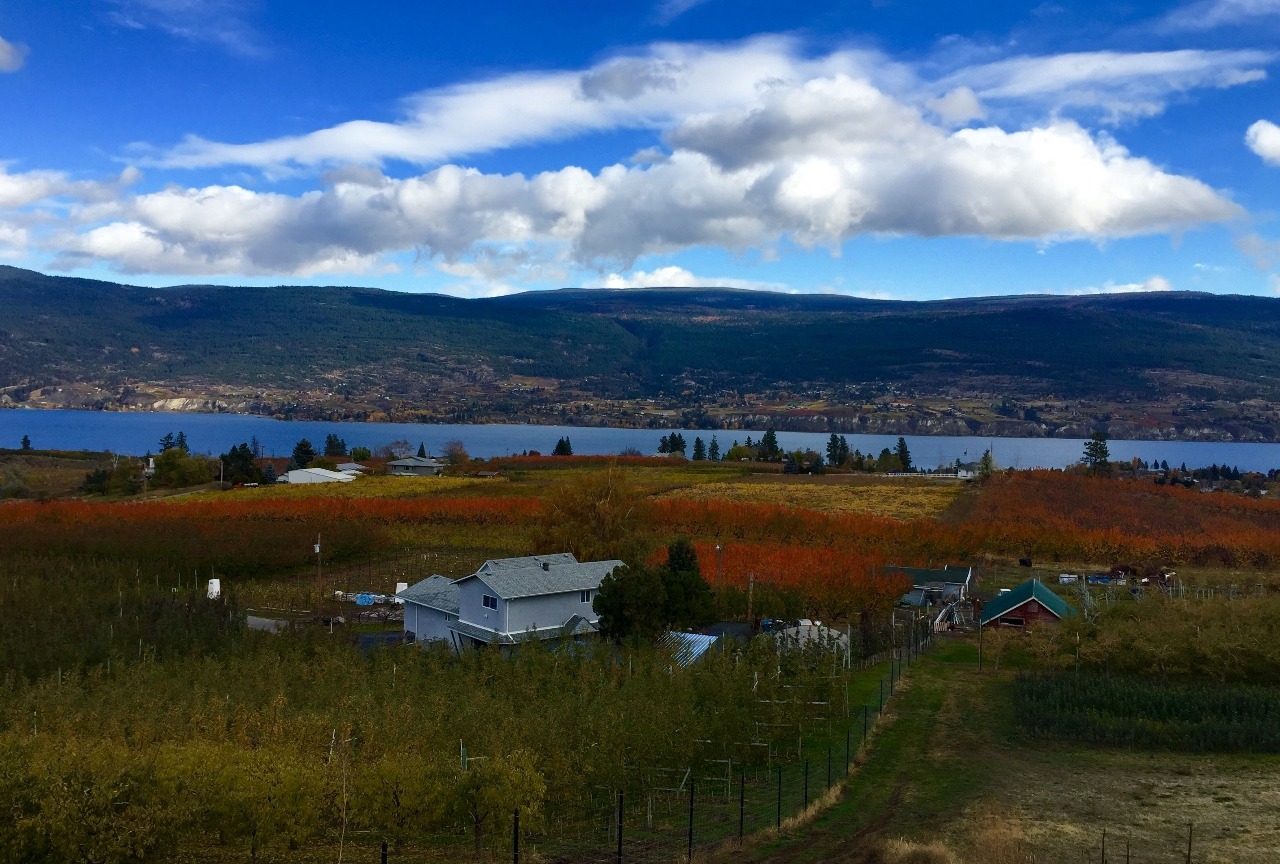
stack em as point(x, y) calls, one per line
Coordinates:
point(508, 600)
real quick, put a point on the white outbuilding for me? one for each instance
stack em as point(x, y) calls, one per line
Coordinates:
point(318, 475)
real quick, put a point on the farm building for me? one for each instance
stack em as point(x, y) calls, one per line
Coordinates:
point(1028, 604)
point(935, 587)
point(415, 466)
point(316, 475)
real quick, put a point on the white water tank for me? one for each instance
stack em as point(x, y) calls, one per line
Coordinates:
point(215, 589)
point(400, 586)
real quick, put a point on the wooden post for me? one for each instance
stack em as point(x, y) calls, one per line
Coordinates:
point(515, 838)
point(742, 803)
point(1190, 831)
point(690, 818)
point(779, 792)
point(620, 799)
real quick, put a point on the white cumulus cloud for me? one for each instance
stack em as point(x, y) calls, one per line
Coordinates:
point(1263, 139)
point(1155, 283)
point(816, 162)
point(678, 277)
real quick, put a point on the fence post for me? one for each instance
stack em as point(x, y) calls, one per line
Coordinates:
point(515, 837)
point(690, 818)
point(384, 852)
point(779, 796)
point(806, 784)
point(1104, 846)
point(1190, 830)
point(742, 803)
point(620, 800)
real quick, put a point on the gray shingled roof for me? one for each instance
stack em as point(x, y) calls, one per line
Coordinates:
point(511, 578)
point(434, 591)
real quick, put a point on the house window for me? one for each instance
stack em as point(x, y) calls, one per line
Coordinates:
point(585, 596)
point(1013, 622)
point(489, 601)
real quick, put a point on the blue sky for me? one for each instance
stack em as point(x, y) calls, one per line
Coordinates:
point(889, 148)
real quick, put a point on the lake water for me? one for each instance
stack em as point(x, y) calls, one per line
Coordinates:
point(139, 432)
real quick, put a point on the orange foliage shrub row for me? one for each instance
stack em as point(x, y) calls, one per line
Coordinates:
point(1061, 517)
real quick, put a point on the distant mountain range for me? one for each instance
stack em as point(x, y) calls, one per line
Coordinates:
point(1156, 365)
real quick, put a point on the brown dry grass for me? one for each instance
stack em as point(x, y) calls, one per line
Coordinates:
point(901, 499)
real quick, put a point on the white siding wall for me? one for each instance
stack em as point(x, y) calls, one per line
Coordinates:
point(425, 623)
point(548, 610)
point(471, 609)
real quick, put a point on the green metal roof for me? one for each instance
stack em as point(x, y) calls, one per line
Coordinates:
point(1024, 592)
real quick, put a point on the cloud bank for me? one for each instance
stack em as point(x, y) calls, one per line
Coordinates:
point(761, 147)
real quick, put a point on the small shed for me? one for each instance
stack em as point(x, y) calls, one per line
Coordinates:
point(1030, 603)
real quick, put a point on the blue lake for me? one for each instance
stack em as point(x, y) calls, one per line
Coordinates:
point(139, 432)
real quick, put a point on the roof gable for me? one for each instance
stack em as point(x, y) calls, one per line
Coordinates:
point(436, 592)
point(536, 575)
point(1030, 590)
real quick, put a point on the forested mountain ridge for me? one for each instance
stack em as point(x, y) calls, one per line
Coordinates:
point(1171, 364)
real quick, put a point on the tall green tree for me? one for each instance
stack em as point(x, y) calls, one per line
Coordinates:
point(26, 442)
point(833, 450)
point(632, 602)
point(422, 450)
point(1097, 456)
point(903, 454)
point(563, 447)
point(713, 451)
point(689, 601)
point(303, 453)
point(699, 450)
point(334, 446)
point(769, 449)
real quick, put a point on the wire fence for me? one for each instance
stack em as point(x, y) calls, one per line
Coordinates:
point(711, 803)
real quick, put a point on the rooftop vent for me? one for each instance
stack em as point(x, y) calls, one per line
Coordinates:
point(546, 565)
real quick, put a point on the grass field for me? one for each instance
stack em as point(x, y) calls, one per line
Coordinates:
point(951, 770)
point(837, 493)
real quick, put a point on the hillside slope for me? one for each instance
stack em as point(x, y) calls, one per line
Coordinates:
point(1168, 365)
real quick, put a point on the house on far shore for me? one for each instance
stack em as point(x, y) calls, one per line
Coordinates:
point(316, 475)
point(508, 600)
point(1028, 604)
point(415, 466)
